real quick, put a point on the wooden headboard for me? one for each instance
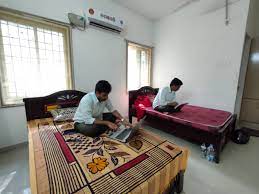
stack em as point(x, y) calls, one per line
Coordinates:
point(36, 107)
point(133, 94)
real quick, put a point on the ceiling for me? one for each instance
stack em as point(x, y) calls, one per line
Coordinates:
point(156, 9)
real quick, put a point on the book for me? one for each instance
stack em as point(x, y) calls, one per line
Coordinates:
point(123, 133)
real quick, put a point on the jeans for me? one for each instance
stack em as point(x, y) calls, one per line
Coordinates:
point(94, 130)
point(165, 108)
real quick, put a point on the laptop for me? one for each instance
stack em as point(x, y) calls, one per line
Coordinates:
point(123, 134)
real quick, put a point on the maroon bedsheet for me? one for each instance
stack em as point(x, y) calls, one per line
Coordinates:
point(198, 117)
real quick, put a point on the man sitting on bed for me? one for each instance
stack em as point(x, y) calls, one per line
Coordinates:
point(165, 98)
point(89, 118)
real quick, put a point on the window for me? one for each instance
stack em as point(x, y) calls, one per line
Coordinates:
point(34, 57)
point(138, 66)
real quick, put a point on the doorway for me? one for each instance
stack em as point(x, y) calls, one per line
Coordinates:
point(247, 105)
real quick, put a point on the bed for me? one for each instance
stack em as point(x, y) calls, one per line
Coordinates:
point(64, 161)
point(194, 123)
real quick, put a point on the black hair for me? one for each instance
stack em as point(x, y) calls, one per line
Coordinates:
point(176, 82)
point(103, 86)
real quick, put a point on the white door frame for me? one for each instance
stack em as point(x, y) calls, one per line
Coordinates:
point(242, 76)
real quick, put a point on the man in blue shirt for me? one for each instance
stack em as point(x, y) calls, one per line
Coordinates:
point(165, 98)
point(89, 118)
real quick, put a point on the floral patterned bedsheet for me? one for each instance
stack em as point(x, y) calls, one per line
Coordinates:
point(65, 161)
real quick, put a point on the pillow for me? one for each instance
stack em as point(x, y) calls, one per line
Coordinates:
point(63, 114)
point(140, 104)
point(143, 101)
point(51, 107)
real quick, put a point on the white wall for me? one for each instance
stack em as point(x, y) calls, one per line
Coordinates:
point(97, 55)
point(251, 27)
point(195, 45)
point(257, 17)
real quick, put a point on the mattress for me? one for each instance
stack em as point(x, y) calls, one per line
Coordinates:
point(65, 161)
point(206, 119)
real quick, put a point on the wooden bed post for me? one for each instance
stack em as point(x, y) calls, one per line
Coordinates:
point(179, 182)
point(217, 152)
point(130, 117)
point(223, 137)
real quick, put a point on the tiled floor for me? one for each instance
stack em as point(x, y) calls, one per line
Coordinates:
point(14, 171)
point(237, 173)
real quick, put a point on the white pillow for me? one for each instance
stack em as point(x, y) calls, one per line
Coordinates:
point(63, 114)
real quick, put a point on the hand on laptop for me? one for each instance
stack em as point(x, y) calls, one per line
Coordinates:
point(174, 104)
point(112, 126)
point(127, 123)
point(124, 122)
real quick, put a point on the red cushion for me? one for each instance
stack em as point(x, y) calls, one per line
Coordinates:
point(197, 117)
point(141, 103)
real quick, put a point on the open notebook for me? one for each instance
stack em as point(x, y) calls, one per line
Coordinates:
point(124, 133)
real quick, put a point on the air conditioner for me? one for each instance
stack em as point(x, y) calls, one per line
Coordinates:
point(105, 21)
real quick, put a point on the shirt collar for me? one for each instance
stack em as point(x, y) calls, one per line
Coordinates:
point(170, 91)
point(95, 98)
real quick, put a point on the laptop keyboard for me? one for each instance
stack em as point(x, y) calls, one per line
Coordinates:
point(124, 134)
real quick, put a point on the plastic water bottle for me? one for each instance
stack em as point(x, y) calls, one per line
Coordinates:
point(210, 153)
point(203, 150)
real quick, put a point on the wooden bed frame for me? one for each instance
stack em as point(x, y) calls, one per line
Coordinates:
point(219, 139)
point(36, 109)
